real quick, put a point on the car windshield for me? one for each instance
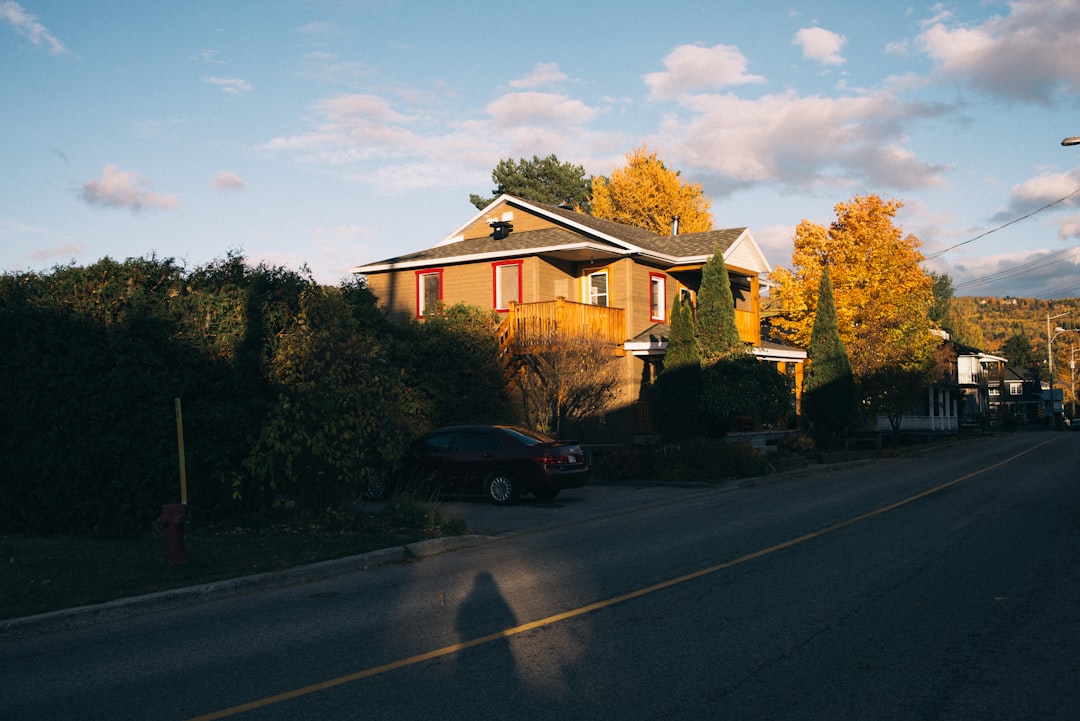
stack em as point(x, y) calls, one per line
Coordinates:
point(526, 436)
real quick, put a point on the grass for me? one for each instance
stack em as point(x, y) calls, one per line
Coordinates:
point(40, 574)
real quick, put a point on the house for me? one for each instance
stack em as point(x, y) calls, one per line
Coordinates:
point(1016, 396)
point(973, 371)
point(541, 266)
point(959, 397)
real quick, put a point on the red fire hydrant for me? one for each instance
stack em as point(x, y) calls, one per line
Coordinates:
point(173, 524)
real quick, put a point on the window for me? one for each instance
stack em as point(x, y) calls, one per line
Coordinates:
point(597, 287)
point(476, 442)
point(428, 291)
point(1016, 389)
point(507, 283)
point(657, 297)
point(995, 391)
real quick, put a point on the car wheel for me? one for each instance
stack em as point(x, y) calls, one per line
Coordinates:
point(502, 488)
point(379, 486)
point(547, 494)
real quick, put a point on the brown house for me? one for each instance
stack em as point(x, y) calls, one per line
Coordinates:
point(543, 267)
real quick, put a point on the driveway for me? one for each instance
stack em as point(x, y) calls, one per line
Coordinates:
point(570, 507)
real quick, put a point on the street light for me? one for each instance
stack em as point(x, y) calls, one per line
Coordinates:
point(1050, 351)
point(1074, 140)
point(1072, 380)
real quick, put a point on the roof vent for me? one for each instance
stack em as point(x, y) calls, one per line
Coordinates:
point(675, 225)
point(501, 228)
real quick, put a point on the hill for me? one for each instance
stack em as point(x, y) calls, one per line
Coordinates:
point(988, 323)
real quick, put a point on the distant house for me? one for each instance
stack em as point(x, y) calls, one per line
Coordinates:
point(542, 266)
point(1016, 396)
point(974, 369)
point(960, 396)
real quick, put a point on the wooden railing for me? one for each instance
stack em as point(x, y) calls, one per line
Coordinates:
point(533, 326)
point(749, 327)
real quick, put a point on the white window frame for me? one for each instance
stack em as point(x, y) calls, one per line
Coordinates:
point(500, 302)
point(658, 297)
point(587, 291)
point(421, 289)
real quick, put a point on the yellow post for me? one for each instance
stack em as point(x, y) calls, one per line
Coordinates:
point(180, 445)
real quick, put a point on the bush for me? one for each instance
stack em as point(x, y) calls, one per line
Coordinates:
point(632, 463)
point(710, 460)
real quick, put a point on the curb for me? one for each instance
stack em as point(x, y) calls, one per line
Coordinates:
point(80, 616)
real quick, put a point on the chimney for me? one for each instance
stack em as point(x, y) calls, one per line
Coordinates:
point(675, 225)
point(501, 229)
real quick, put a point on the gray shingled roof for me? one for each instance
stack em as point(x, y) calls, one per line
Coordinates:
point(685, 246)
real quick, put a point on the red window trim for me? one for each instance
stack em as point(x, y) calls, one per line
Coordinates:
point(663, 301)
point(495, 283)
point(419, 287)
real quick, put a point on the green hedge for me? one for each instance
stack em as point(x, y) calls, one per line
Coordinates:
point(292, 392)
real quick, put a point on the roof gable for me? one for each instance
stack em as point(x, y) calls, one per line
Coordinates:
point(541, 228)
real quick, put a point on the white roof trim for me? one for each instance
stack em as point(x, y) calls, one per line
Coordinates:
point(458, 234)
point(490, 255)
point(777, 354)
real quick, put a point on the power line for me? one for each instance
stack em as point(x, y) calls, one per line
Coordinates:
point(1018, 269)
point(1006, 225)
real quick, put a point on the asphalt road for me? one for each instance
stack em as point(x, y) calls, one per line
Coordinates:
point(935, 587)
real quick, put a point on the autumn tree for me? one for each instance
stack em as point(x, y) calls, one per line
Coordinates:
point(646, 194)
point(574, 379)
point(882, 296)
point(829, 400)
point(544, 180)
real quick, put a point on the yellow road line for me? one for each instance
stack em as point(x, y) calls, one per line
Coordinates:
point(507, 633)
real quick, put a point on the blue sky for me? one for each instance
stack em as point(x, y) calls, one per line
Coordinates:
point(333, 133)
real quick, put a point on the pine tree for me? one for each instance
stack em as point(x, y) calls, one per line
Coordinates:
point(682, 349)
point(829, 399)
point(716, 330)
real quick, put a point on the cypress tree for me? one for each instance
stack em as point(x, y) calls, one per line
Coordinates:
point(682, 346)
point(717, 333)
point(829, 400)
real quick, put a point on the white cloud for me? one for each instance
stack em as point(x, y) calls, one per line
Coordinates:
point(820, 45)
point(690, 68)
point(543, 74)
point(28, 26)
point(1028, 274)
point(233, 86)
point(125, 189)
point(226, 180)
point(1040, 191)
point(798, 140)
point(1026, 55)
point(370, 141)
point(534, 109)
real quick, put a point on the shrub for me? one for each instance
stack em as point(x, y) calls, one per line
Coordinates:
point(710, 459)
point(627, 464)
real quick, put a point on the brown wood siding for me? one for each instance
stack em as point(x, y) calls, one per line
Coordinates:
point(554, 280)
point(521, 221)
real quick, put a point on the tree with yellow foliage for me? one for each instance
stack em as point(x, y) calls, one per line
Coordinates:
point(882, 295)
point(646, 194)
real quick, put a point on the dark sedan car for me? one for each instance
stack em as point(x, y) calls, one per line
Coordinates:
point(501, 462)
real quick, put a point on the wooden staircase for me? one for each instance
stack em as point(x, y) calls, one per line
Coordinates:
point(535, 327)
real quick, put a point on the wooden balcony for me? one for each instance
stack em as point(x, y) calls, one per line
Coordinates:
point(748, 326)
point(535, 326)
